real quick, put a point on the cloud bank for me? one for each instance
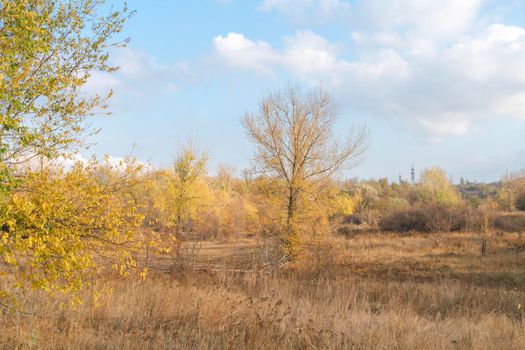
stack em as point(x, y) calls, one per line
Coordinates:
point(438, 65)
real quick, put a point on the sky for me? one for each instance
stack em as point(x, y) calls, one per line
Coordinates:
point(437, 83)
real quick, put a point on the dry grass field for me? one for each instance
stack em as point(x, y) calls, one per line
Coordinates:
point(372, 291)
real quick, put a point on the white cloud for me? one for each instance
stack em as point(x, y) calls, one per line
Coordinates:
point(476, 78)
point(308, 53)
point(497, 54)
point(423, 23)
point(444, 92)
point(99, 83)
point(305, 53)
point(445, 124)
point(117, 163)
point(419, 26)
point(308, 9)
point(308, 56)
point(139, 79)
point(122, 163)
point(238, 51)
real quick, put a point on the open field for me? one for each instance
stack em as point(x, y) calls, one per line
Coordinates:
point(381, 291)
point(398, 226)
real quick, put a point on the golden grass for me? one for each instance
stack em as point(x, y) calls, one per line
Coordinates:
point(383, 292)
point(457, 257)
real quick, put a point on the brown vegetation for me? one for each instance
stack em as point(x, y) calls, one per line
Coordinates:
point(374, 291)
point(116, 254)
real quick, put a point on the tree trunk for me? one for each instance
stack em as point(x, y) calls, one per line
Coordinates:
point(292, 236)
point(484, 246)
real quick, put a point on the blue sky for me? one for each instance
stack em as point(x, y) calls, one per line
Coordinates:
point(436, 82)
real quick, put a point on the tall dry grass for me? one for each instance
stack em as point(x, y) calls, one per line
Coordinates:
point(290, 309)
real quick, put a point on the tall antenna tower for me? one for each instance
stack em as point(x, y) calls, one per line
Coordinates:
point(412, 175)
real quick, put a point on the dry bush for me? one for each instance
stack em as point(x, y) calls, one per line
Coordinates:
point(318, 258)
point(427, 218)
point(345, 230)
point(520, 201)
point(412, 219)
point(510, 223)
point(268, 253)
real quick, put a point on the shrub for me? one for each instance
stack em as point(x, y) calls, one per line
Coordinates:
point(520, 202)
point(510, 223)
point(426, 218)
point(345, 230)
point(411, 219)
point(354, 219)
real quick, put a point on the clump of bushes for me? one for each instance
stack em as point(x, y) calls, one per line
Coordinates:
point(429, 218)
point(520, 202)
point(438, 218)
point(510, 223)
point(354, 219)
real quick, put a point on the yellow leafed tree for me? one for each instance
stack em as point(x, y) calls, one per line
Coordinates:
point(435, 187)
point(60, 226)
point(49, 49)
point(294, 142)
point(57, 225)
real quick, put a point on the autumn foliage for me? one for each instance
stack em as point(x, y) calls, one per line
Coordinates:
point(61, 226)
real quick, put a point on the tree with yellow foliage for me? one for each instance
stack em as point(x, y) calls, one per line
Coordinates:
point(184, 181)
point(293, 137)
point(49, 49)
point(60, 226)
point(57, 224)
point(511, 194)
point(180, 196)
point(435, 188)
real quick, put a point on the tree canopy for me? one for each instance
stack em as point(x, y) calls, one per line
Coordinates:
point(294, 141)
point(49, 50)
